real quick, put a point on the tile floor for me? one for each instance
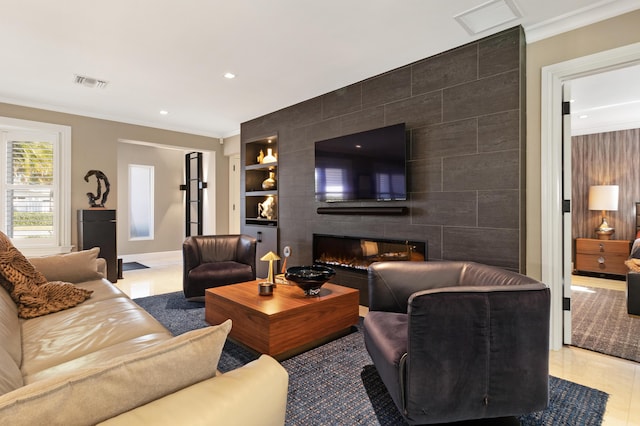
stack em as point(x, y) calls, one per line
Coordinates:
point(617, 377)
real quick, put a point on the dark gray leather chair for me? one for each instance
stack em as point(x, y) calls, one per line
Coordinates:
point(455, 341)
point(216, 260)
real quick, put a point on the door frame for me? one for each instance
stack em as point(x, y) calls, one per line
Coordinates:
point(554, 262)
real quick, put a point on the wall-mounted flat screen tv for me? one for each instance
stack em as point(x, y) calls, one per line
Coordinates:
point(363, 166)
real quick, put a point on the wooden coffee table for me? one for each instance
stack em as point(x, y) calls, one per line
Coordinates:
point(286, 322)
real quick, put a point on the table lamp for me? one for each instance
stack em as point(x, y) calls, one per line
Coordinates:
point(271, 256)
point(604, 198)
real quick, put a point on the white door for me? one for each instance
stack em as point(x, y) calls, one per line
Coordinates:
point(234, 194)
point(567, 243)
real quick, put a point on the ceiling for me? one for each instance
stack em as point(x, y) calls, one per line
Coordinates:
point(168, 55)
point(606, 102)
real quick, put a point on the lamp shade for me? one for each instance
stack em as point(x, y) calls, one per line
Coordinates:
point(270, 256)
point(603, 197)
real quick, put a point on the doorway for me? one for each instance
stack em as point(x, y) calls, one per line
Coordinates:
point(168, 201)
point(605, 160)
point(556, 217)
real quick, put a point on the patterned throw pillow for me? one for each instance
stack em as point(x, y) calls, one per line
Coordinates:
point(29, 289)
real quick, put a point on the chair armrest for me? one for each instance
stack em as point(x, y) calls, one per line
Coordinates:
point(476, 333)
point(190, 255)
point(246, 252)
point(254, 394)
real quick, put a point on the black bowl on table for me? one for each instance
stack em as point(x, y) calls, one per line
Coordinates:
point(309, 278)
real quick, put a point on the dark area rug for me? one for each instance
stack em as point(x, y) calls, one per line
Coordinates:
point(132, 266)
point(336, 383)
point(599, 322)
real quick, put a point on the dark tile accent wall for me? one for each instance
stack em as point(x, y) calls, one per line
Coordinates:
point(464, 111)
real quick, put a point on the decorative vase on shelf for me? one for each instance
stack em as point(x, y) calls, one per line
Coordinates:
point(269, 158)
point(260, 157)
point(270, 182)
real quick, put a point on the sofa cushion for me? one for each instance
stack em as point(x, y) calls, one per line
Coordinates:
point(102, 289)
point(29, 289)
point(96, 394)
point(225, 272)
point(74, 267)
point(10, 330)
point(68, 335)
point(10, 376)
point(386, 340)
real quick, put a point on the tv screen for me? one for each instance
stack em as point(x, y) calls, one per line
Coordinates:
point(368, 165)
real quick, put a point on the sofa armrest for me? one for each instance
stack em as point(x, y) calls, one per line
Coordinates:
point(254, 394)
point(101, 264)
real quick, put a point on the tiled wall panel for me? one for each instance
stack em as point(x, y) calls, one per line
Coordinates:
point(465, 120)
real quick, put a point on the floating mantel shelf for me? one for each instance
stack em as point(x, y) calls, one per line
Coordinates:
point(370, 210)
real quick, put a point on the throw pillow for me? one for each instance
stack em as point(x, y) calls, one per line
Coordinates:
point(32, 293)
point(97, 394)
point(633, 264)
point(635, 249)
point(74, 267)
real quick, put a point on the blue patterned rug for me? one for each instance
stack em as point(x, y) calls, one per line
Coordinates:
point(337, 383)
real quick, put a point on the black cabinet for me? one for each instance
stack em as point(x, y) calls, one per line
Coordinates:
point(97, 228)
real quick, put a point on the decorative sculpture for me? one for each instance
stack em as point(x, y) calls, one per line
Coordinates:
point(93, 198)
point(267, 209)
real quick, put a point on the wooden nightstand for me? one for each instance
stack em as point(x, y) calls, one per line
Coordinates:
point(602, 256)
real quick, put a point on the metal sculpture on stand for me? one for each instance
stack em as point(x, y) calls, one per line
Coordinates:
point(99, 177)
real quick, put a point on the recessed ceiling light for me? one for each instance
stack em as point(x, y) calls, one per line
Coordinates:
point(584, 116)
point(163, 112)
point(229, 75)
point(488, 15)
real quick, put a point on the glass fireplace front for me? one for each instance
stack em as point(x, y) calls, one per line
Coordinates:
point(357, 253)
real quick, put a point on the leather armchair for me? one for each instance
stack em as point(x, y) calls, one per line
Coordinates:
point(216, 260)
point(633, 293)
point(455, 341)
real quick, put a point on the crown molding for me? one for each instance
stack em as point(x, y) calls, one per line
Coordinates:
point(108, 117)
point(591, 14)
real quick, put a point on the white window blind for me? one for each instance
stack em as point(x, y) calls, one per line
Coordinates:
point(35, 186)
point(29, 203)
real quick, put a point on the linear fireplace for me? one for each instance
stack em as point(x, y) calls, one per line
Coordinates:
point(357, 253)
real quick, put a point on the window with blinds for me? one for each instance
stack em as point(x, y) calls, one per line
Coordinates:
point(29, 188)
point(35, 185)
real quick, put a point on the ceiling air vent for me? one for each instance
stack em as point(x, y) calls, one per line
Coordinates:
point(90, 81)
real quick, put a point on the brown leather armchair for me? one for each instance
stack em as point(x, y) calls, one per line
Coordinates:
point(455, 341)
point(216, 260)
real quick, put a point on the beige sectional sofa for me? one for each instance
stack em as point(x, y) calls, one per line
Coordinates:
point(108, 361)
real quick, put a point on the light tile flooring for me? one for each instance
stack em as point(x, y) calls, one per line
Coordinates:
point(617, 377)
